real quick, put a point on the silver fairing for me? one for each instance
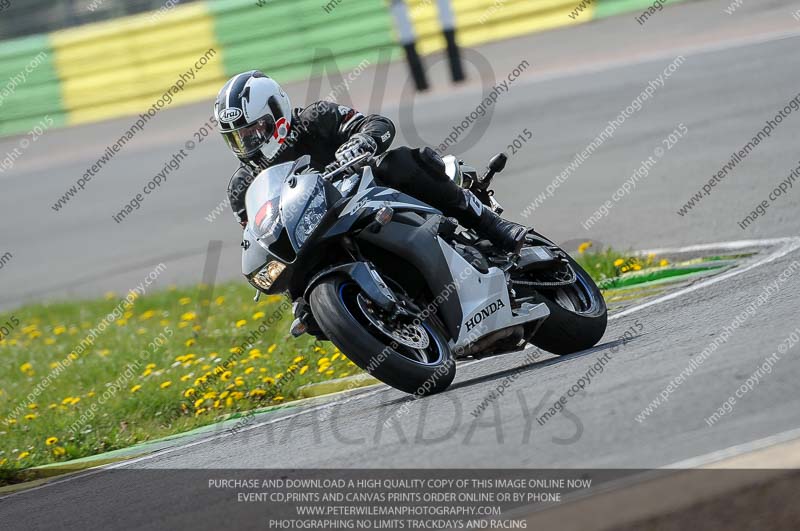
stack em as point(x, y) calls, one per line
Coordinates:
point(484, 299)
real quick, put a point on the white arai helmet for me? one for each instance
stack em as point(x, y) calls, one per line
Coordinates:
point(255, 116)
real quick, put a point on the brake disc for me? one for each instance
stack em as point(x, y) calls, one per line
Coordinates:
point(409, 335)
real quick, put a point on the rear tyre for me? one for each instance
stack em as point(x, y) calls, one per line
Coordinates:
point(414, 358)
point(578, 314)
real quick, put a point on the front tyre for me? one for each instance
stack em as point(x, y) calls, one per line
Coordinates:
point(409, 356)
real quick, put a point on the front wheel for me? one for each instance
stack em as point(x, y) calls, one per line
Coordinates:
point(411, 356)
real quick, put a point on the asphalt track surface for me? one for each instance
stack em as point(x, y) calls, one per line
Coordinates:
point(740, 70)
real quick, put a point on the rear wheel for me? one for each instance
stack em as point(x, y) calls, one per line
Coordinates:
point(409, 355)
point(578, 313)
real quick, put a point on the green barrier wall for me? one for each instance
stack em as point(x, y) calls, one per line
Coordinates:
point(284, 38)
point(29, 86)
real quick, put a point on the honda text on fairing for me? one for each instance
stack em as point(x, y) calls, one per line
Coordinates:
point(402, 290)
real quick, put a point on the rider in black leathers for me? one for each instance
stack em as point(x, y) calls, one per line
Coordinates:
point(262, 129)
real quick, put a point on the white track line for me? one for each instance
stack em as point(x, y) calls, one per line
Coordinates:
point(789, 245)
point(735, 451)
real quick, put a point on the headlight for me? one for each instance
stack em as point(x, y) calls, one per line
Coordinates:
point(314, 213)
point(265, 278)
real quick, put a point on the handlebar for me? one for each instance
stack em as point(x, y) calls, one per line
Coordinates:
point(339, 169)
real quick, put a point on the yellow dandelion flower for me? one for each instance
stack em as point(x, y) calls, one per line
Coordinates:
point(249, 370)
point(582, 248)
point(73, 356)
point(30, 416)
point(257, 393)
point(258, 315)
point(229, 402)
point(618, 262)
point(50, 441)
point(59, 330)
point(90, 394)
point(188, 316)
point(26, 367)
point(135, 388)
point(664, 263)
point(268, 380)
point(189, 342)
point(298, 359)
point(23, 455)
point(235, 350)
point(219, 301)
point(147, 372)
point(637, 267)
point(147, 315)
point(225, 376)
point(324, 361)
point(185, 377)
point(199, 402)
point(189, 392)
point(165, 384)
point(303, 369)
point(624, 269)
point(336, 356)
point(11, 422)
point(239, 381)
point(122, 322)
point(150, 366)
point(279, 376)
point(271, 348)
point(183, 301)
point(33, 406)
point(199, 412)
point(240, 323)
point(278, 398)
point(59, 451)
point(52, 406)
point(329, 373)
point(210, 394)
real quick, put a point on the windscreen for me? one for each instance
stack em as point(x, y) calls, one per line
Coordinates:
point(263, 202)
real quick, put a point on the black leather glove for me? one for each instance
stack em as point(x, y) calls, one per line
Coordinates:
point(358, 145)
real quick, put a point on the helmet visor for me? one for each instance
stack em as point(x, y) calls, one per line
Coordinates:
point(249, 139)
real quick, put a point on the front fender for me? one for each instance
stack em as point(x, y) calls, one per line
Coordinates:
point(367, 278)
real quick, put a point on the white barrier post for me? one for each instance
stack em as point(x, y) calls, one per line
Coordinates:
point(448, 20)
point(408, 40)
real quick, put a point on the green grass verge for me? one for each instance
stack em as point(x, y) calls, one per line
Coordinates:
point(73, 386)
point(173, 361)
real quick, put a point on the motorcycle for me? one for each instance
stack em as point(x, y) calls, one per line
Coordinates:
point(402, 290)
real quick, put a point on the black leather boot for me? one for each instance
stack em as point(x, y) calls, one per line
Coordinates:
point(506, 235)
